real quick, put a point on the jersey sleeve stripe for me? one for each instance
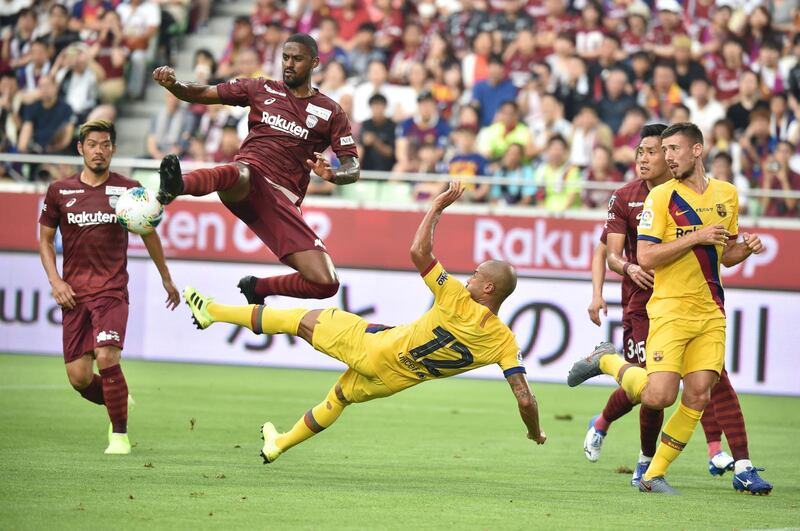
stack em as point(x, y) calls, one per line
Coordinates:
point(708, 258)
point(647, 238)
point(514, 370)
point(733, 237)
point(430, 267)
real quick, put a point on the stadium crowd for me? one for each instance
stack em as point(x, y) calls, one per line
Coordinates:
point(550, 92)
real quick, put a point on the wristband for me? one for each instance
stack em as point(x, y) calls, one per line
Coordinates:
point(625, 267)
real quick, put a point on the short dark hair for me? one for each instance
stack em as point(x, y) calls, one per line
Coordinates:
point(772, 44)
point(497, 59)
point(652, 130)
point(58, 7)
point(513, 104)
point(378, 98)
point(367, 26)
point(306, 40)
point(558, 138)
point(641, 111)
point(723, 156)
point(243, 20)
point(102, 126)
point(687, 129)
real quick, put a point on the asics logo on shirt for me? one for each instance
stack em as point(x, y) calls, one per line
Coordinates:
point(84, 218)
point(71, 202)
point(279, 123)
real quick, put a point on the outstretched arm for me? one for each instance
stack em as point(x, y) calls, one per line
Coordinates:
point(153, 244)
point(191, 92)
point(528, 408)
point(348, 171)
point(422, 246)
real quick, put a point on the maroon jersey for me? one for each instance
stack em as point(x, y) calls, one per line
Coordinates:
point(285, 131)
point(95, 245)
point(624, 210)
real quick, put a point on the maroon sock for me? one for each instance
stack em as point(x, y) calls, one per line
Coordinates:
point(618, 405)
point(94, 391)
point(650, 421)
point(729, 416)
point(710, 425)
point(207, 180)
point(115, 392)
point(294, 285)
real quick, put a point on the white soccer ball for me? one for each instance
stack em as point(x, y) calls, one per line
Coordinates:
point(139, 211)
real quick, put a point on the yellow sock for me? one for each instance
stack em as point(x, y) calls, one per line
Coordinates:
point(633, 378)
point(676, 434)
point(259, 319)
point(314, 421)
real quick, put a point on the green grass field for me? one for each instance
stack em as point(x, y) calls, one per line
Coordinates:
point(449, 454)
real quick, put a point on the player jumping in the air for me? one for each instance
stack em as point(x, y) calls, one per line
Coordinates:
point(688, 227)
point(723, 413)
point(291, 124)
point(93, 292)
point(459, 333)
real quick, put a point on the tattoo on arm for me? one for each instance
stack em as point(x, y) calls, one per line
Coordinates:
point(348, 173)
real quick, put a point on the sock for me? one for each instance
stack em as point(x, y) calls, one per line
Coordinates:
point(259, 318)
point(115, 393)
point(729, 416)
point(712, 430)
point(676, 434)
point(741, 465)
point(207, 180)
point(714, 447)
point(618, 405)
point(294, 285)
point(644, 458)
point(94, 391)
point(315, 420)
point(650, 421)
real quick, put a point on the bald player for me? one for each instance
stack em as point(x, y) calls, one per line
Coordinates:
point(459, 333)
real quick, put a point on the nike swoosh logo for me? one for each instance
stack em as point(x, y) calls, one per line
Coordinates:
point(682, 212)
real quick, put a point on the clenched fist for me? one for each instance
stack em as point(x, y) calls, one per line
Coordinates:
point(165, 76)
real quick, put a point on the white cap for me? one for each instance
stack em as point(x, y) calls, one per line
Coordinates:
point(668, 5)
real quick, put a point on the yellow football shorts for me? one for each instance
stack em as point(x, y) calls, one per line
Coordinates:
point(684, 346)
point(342, 335)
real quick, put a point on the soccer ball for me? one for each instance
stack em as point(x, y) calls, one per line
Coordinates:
point(139, 211)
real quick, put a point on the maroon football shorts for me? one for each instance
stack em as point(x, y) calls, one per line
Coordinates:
point(275, 219)
point(635, 326)
point(94, 323)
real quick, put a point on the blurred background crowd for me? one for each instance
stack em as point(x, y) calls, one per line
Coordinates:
point(551, 93)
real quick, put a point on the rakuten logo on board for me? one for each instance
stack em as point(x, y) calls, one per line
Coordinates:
point(537, 246)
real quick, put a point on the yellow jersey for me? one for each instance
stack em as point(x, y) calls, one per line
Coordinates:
point(690, 287)
point(456, 335)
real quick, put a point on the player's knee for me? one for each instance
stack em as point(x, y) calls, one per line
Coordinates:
point(325, 285)
point(659, 398)
point(80, 380)
point(697, 400)
point(107, 356)
point(329, 289)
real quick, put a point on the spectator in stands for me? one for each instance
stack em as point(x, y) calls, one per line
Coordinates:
point(783, 124)
point(747, 100)
point(410, 53)
point(601, 170)
point(588, 132)
point(247, 64)
point(573, 90)
point(768, 70)
point(334, 83)
point(641, 67)
point(791, 65)
point(467, 164)
point(364, 51)
point(508, 22)
point(590, 33)
point(475, 64)
point(140, 22)
point(610, 57)
point(425, 127)
point(680, 114)
point(448, 92)
point(722, 169)
point(722, 140)
point(659, 38)
point(759, 31)
point(560, 180)
point(704, 109)
point(488, 95)
point(10, 108)
point(377, 137)
point(463, 26)
point(626, 140)
point(38, 66)
point(349, 16)
point(440, 56)
point(530, 97)
point(108, 51)
point(228, 146)
point(507, 129)
point(430, 162)
point(168, 130)
point(265, 13)
point(327, 42)
point(687, 69)
point(757, 144)
point(712, 36)
point(48, 123)
point(60, 36)
point(555, 21)
point(272, 49)
point(552, 123)
point(521, 58)
point(376, 82)
point(616, 101)
point(77, 75)
point(242, 38)
point(663, 95)
point(634, 34)
point(88, 14)
point(512, 167)
point(727, 76)
point(779, 177)
point(17, 43)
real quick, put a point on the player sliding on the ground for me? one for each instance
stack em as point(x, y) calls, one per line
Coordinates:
point(459, 333)
point(93, 293)
point(688, 227)
point(723, 413)
point(291, 124)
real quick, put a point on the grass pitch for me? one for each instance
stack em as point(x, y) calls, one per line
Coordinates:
point(450, 454)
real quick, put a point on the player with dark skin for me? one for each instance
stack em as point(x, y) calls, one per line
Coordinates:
point(298, 62)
